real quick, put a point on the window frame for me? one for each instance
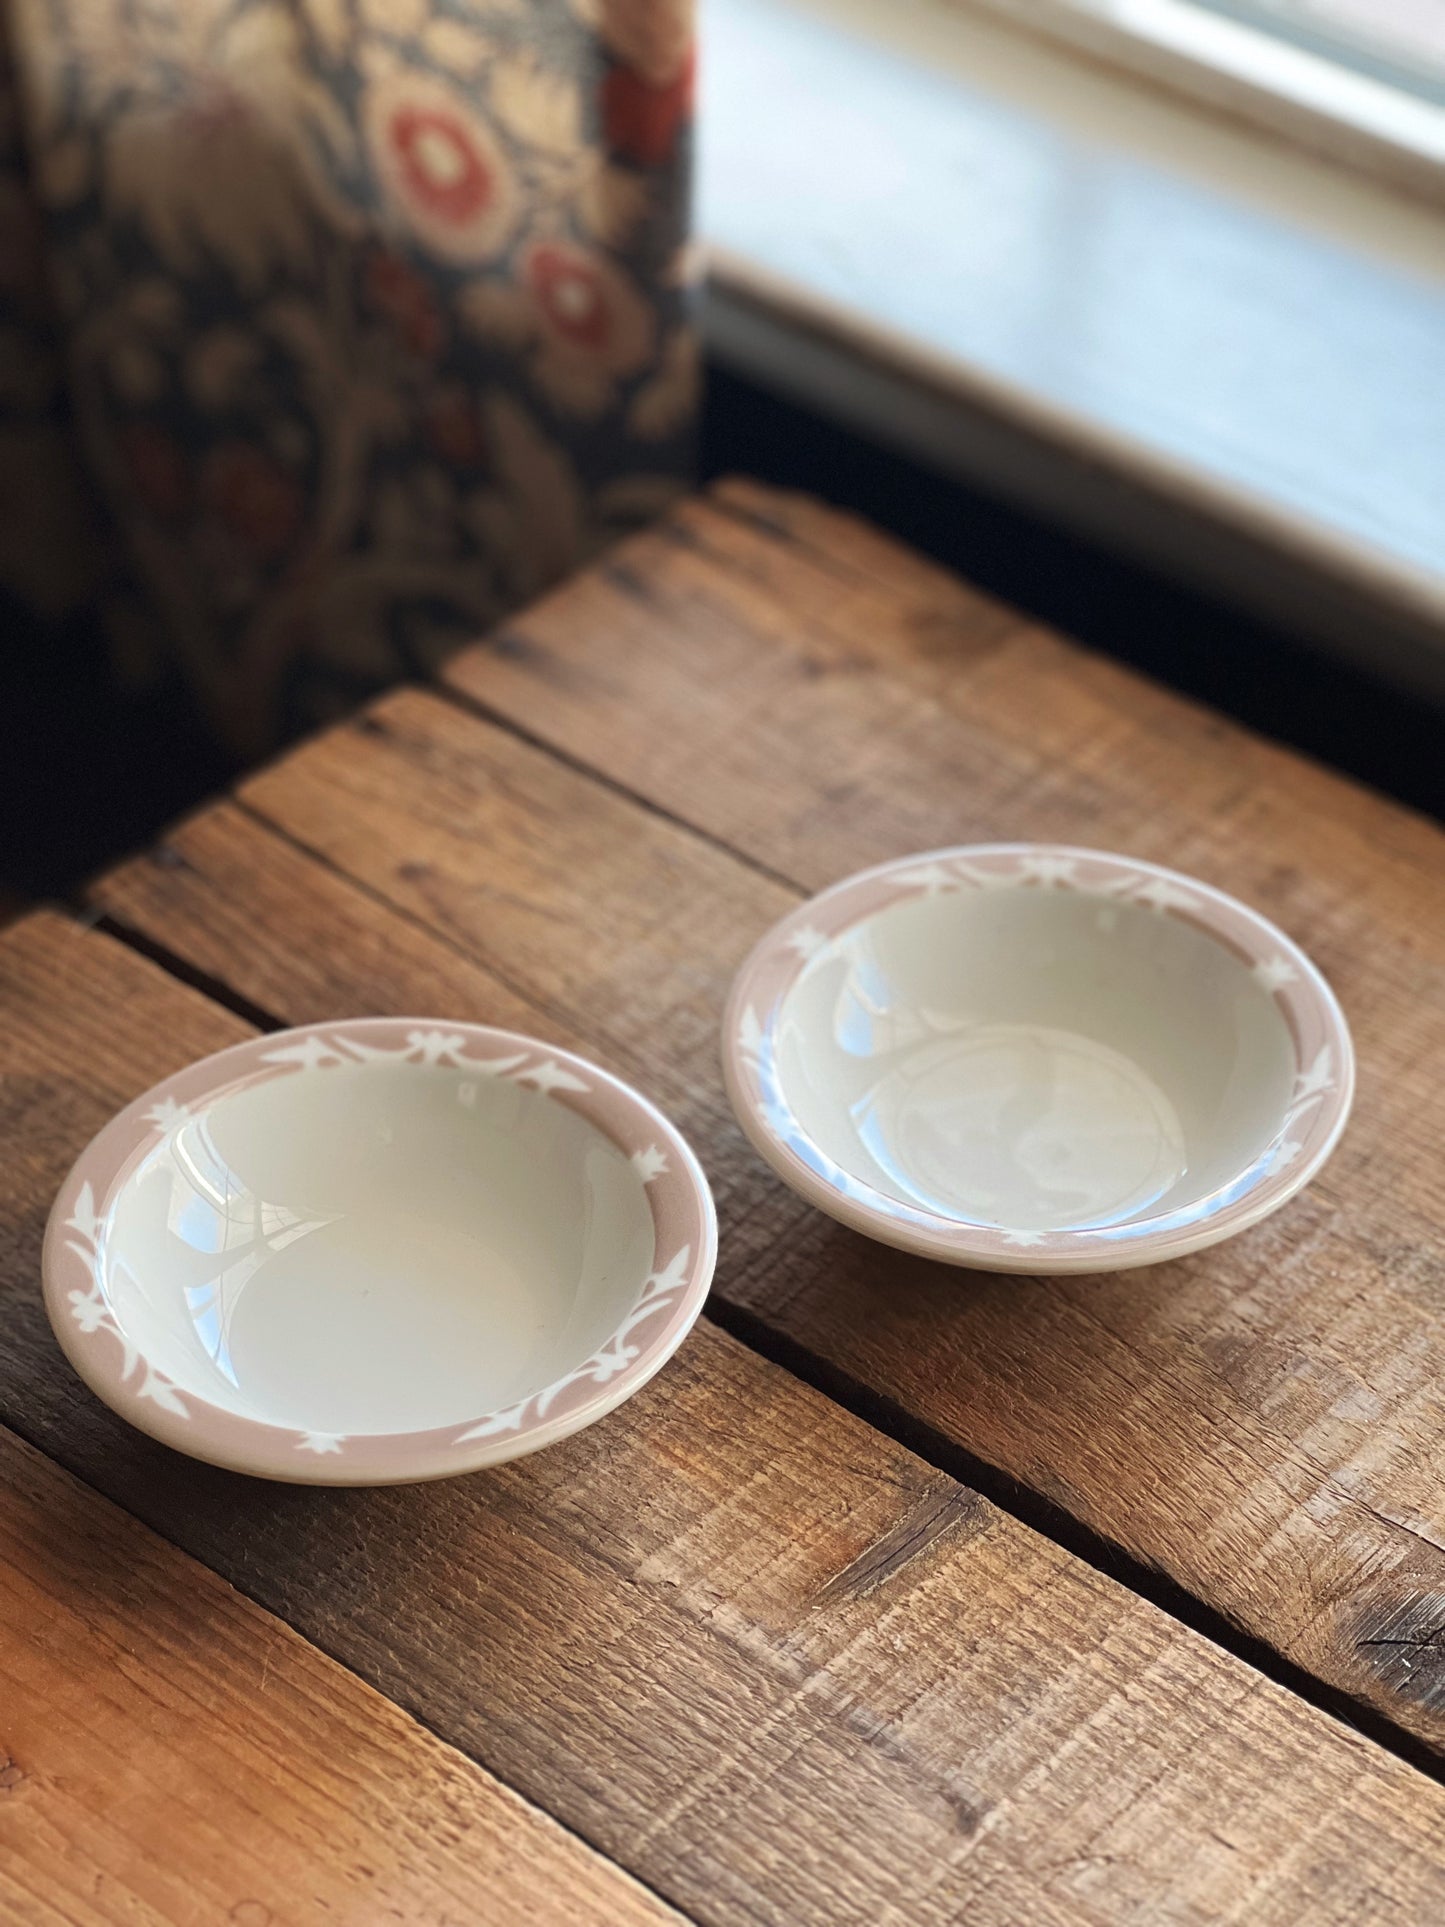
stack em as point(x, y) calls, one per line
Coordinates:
point(1277, 85)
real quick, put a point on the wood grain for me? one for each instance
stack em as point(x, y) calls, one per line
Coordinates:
point(170, 1753)
point(1264, 1421)
point(750, 667)
point(770, 1660)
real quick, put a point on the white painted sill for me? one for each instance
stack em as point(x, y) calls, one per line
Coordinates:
point(1251, 75)
point(1211, 351)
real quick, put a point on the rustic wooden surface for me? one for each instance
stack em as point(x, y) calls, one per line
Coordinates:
point(755, 1650)
point(1263, 1422)
point(169, 1753)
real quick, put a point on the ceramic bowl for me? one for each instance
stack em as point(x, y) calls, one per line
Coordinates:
point(375, 1251)
point(1037, 1059)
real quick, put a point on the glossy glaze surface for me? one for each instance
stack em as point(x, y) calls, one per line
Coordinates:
point(1043, 1059)
point(1035, 1059)
point(385, 1248)
point(377, 1250)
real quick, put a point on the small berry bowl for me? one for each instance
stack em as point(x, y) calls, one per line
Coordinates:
point(1037, 1059)
point(376, 1251)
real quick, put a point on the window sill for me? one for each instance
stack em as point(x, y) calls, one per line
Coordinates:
point(1210, 352)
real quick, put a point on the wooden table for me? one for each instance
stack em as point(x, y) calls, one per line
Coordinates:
point(902, 1595)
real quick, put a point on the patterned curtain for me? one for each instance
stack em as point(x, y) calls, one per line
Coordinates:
point(330, 329)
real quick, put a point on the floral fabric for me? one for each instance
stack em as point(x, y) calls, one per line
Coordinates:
point(332, 328)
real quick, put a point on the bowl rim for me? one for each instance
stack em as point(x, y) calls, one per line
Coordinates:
point(1309, 1128)
point(668, 1304)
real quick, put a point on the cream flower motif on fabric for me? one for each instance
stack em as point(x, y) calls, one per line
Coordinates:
point(443, 172)
point(232, 163)
point(396, 18)
point(179, 176)
point(456, 47)
point(537, 105)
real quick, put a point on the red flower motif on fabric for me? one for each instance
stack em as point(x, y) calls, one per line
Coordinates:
point(592, 322)
point(404, 296)
point(440, 163)
point(254, 497)
point(454, 429)
point(570, 294)
point(642, 121)
point(442, 169)
point(159, 470)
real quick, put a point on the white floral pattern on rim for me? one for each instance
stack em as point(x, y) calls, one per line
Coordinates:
point(650, 1164)
point(1310, 1087)
point(1309, 1128)
point(320, 1051)
point(92, 1313)
point(669, 1300)
point(751, 1042)
point(1048, 870)
point(659, 1292)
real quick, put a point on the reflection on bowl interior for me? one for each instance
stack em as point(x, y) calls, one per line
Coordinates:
point(377, 1249)
point(1034, 1059)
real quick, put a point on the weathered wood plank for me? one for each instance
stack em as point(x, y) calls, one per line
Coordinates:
point(171, 1753)
point(235, 901)
point(1251, 1420)
point(770, 689)
point(777, 1665)
point(1263, 1421)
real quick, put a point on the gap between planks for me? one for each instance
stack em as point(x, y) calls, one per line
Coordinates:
point(397, 1776)
point(1023, 1503)
point(472, 705)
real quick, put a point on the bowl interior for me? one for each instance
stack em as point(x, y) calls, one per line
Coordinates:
point(379, 1248)
point(1038, 1060)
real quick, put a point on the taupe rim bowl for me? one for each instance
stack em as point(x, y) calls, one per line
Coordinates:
point(1037, 1059)
point(379, 1250)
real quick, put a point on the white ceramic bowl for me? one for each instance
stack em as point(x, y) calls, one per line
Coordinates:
point(1037, 1059)
point(380, 1250)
